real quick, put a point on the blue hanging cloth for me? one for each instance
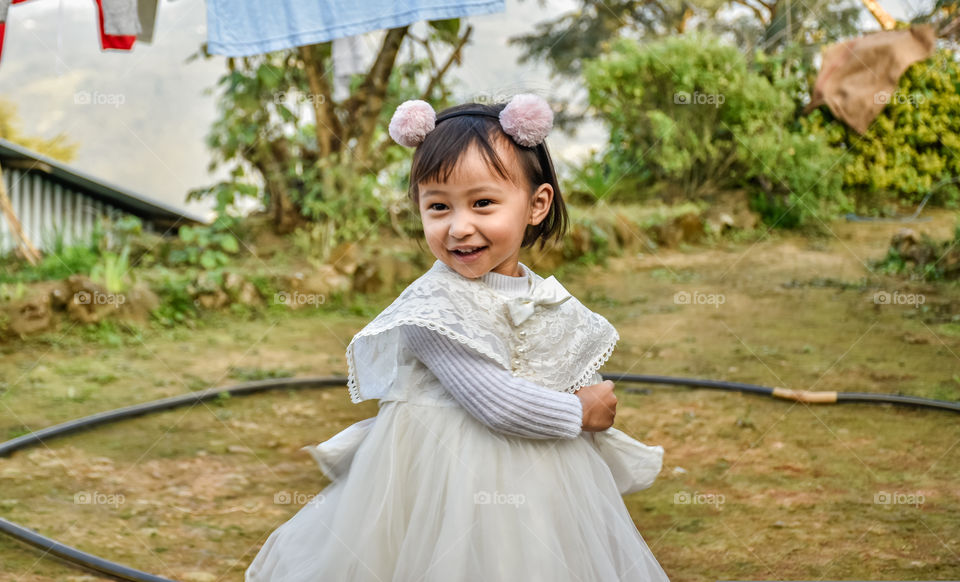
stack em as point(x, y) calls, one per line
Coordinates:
point(240, 28)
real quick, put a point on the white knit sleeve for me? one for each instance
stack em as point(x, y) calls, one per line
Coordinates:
point(492, 394)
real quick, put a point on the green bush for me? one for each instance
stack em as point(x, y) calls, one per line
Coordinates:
point(176, 304)
point(912, 149)
point(59, 262)
point(937, 261)
point(688, 118)
point(206, 246)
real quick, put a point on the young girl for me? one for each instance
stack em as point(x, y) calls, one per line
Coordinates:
point(492, 456)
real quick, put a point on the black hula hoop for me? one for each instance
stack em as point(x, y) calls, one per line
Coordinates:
point(87, 561)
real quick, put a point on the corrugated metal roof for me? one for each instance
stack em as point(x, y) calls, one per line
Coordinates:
point(118, 196)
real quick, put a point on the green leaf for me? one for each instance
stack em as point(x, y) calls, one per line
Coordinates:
point(187, 234)
point(208, 260)
point(446, 29)
point(229, 244)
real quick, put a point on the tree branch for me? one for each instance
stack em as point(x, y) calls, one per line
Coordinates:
point(435, 79)
point(327, 127)
point(759, 14)
point(365, 105)
point(454, 56)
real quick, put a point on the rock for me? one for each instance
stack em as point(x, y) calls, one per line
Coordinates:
point(684, 228)
point(629, 235)
point(378, 273)
point(58, 291)
point(88, 302)
point(313, 287)
point(212, 300)
point(730, 210)
point(913, 248)
point(914, 339)
point(140, 302)
point(29, 316)
point(345, 257)
point(691, 225)
point(241, 290)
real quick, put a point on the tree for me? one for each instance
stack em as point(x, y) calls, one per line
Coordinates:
point(317, 157)
point(586, 33)
point(799, 27)
point(58, 147)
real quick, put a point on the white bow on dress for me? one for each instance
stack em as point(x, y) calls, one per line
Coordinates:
point(547, 292)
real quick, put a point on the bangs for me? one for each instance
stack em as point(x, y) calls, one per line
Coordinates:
point(436, 159)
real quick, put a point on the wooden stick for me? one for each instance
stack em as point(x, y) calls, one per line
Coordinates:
point(29, 251)
point(886, 21)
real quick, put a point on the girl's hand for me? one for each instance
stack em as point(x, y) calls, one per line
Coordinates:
point(599, 406)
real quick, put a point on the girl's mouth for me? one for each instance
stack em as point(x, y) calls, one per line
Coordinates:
point(463, 255)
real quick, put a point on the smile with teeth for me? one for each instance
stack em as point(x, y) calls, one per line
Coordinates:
point(469, 251)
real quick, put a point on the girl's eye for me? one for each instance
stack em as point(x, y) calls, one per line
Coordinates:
point(443, 206)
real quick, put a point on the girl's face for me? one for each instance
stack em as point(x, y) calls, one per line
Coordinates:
point(477, 209)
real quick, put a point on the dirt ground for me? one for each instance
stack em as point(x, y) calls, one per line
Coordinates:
point(751, 488)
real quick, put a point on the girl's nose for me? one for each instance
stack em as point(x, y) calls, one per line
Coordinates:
point(460, 225)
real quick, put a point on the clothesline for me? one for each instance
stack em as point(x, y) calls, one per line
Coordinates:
point(239, 28)
point(121, 22)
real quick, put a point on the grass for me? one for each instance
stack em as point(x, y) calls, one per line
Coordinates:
point(751, 488)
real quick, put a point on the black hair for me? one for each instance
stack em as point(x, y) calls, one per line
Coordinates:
point(437, 156)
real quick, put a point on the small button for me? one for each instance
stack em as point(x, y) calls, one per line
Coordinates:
point(522, 333)
point(516, 363)
point(522, 350)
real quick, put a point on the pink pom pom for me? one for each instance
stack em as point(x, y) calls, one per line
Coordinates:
point(411, 122)
point(527, 118)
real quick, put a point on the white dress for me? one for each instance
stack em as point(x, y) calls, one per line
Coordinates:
point(425, 492)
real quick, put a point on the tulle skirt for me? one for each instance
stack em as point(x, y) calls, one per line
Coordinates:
point(431, 494)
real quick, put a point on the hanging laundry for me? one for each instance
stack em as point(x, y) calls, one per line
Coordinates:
point(117, 12)
point(120, 17)
point(352, 55)
point(240, 28)
point(859, 76)
point(122, 42)
point(147, 13)
point(4, 6)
